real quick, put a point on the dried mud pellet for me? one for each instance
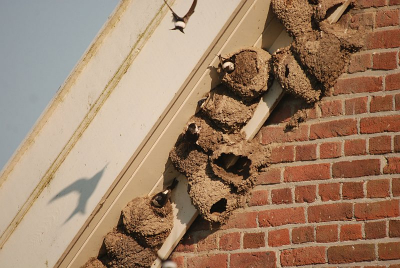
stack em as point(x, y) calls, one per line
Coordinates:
point(322, 55)
point(293, 78)
point(213, 198)
point(124, 251)
point(295, 15)
point(226, 109)
point(251, 75)
point(148, 225)
point(322, 7)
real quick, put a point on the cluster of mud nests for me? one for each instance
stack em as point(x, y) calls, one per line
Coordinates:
point(219, 163)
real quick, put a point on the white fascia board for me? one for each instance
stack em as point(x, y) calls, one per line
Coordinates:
point(131, 87)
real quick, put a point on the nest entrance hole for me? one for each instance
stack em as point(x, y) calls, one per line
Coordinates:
point(235, 164)
point(219, 207)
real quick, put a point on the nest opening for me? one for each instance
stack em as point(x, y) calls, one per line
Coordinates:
point(235, 164)
point(219, 207)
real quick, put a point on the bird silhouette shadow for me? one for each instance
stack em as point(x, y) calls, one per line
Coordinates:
point(85, 187)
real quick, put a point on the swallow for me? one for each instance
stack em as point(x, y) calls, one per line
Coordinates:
point(192, 134)
point(226, 64)
point(180, 22)
point(159, 200)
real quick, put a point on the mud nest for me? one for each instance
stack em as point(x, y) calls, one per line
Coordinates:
point(293, 78)
point(295, 15)
point(149, 225)
point(238, 164)
point(227, 110)
point(124, 251)
point(214, 199)
point(251, 75)
point(323, 56)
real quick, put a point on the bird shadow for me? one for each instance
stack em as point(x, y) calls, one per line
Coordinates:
point(85, 187)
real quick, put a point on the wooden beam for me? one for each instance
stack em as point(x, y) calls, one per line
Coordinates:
point(335, 16)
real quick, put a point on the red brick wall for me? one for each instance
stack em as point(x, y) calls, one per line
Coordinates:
point(332, 195)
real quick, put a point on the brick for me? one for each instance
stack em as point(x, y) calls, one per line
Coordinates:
point(380, 145)
point(282, 196)
point(358, 85)
point(351, 253)
point(381, 103)
point(329, 191)
point(281, 154)
point(306, 152)
point(387, 18)
point(350, 232)
point(392, 81)
point(253, 240)
point(392, 166)
point(397, 143)
point(355, 147)
point(330, 150)
point(210, 261)
point(253, 260)
point(331, 108)
point(305, 194)
point(282, 112)
point(356, 168)
point(277, 238)
point(303, 256)
point(186, 244)
point(327, 233)
point(361, 21)
point(337, 128)
point(207, 242)
point(376, 210)
point(384, 39)
point(242, 220)
point(374, 230)
point(283, 216)
point(179, 260)
point(397, 102)
point(378, 188)
point(389, 251)
point(370, 3)
point(384, 61)
point(396, 186)
point(277, 134)
point(270, 176)
point(229, 241)
point(330, 212)
point(394, 228)
point(303, 235)
point(258, 198)
point(352, 190)
point(394, 2)
point(307, 173)
point(199, 224)
point(360, 63)
point(379, 124)
point(356, 106)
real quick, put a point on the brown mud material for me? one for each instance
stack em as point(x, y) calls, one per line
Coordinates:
point(251, 75)
point(214, 199)
point(227, 110)
point(150, 226)
point(352, 40)
point(324, 8)
point(295, 15)
point(187, 158)
point(93, 263)
point(293, 78)
point(322, 54)
point(210, 135)
point(238, 164)
point(299, 117)
point(124, 251)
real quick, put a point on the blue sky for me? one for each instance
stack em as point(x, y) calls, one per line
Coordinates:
point(41, 41)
